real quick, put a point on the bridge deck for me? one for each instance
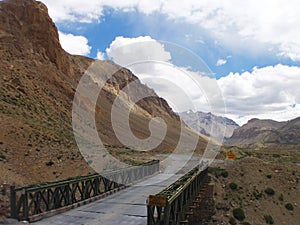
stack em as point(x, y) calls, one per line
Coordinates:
point(125, 207)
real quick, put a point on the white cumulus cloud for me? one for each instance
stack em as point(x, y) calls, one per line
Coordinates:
point(221, 62)
point(75, 10)
point(100, 55)
point(125, 51)
point(77, 45)
point(269, 92)
point(242, 26)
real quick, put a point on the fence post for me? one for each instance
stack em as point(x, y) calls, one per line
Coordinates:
point(13, 207)
point(150, 213)
point(25, 205)
point(68, 194)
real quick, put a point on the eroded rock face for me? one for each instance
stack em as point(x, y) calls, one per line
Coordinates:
point(153, 104)
point(26, 26)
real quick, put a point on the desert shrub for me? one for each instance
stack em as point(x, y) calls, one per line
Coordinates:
point(269, 176)
point(289, 206)
point(239, 214)
point(281, 197)
point(232, 221)
point(257, 194)
point(224, 174)
point(270, 191)
point(233, 186)
point(246, 223)
point(2, 157)
point(217, 172)
point(269, 219)
point(50, 163)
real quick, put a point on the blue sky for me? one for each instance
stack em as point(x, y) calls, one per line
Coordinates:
point(252, 48)
point(134, 24)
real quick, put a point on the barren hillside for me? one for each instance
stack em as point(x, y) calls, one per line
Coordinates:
point(268, 134)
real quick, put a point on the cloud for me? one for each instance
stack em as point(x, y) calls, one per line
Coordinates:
point(252, 26)
point(267, 92)
point(100, 55)
point(75, 10)
point(183, 89)
point(77, 45)
point(290, 50)
point(221, 62)
point(259, 27)
point(125, 51)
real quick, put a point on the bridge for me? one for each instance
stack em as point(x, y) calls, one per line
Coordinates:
point(161, 199)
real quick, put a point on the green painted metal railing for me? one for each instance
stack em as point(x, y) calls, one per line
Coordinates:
point(28, 201)
point(169, 206)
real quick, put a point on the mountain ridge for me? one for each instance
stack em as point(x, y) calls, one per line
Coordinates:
point(267, 132)
point(216, 127)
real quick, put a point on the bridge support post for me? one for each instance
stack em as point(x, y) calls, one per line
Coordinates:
point(13, 207)
point(25, 205)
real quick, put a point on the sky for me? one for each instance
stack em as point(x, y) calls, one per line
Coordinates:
point(233, 58)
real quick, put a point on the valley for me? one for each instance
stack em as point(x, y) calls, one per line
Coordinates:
point(40, 142)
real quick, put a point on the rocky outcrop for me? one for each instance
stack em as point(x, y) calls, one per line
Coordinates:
point(26, 23)
point(153, 104)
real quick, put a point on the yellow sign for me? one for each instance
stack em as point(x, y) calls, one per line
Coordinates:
point(230, 156)
point(157, 200)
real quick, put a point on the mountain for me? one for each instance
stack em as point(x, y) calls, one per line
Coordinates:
point(209, 124)
point(266, 133)
point(37, 88)
point(289, 133)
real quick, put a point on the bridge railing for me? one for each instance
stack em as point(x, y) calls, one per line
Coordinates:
point(27, 202)
point(169, 206)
